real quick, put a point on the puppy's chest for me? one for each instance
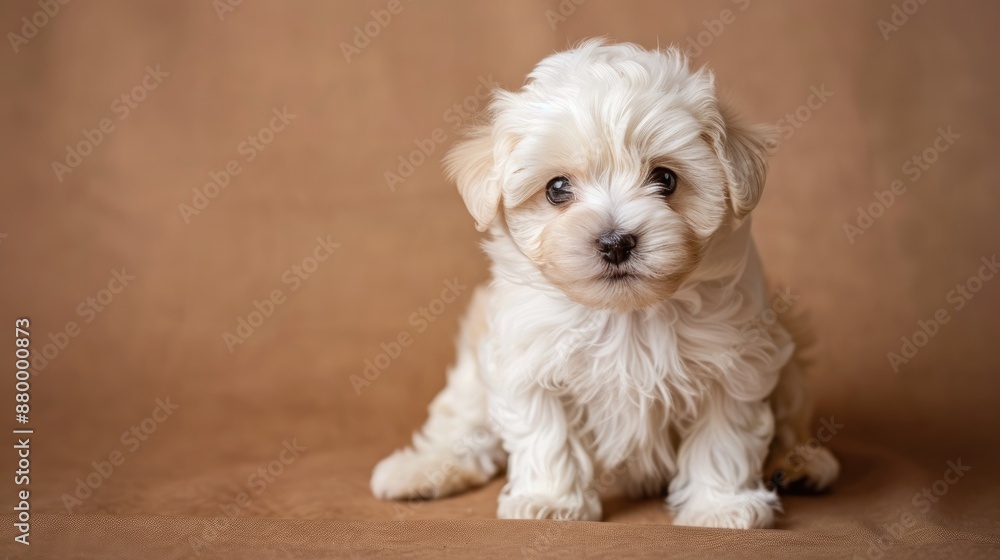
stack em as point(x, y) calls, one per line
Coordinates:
point(607, 360)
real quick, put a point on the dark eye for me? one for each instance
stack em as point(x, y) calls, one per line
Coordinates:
point(665, 179)
point(557, 191)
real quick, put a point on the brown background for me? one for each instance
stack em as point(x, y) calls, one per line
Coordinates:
point(324, 176)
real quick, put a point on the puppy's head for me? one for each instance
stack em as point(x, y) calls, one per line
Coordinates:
point(611, 170)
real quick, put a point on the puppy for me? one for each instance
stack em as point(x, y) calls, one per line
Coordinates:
point(616, 190)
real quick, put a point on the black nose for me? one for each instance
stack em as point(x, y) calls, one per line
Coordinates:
point(616, 247)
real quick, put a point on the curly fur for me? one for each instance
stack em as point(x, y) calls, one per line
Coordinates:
point(569, 366)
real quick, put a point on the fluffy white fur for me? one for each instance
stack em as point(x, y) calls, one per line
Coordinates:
point(569, 367)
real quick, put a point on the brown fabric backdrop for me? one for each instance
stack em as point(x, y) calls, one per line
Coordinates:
point(217, 81)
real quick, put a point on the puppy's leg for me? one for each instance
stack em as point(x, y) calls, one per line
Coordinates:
point(549, 473)
point(797, 461)
point(718, 483)
point(457, 449)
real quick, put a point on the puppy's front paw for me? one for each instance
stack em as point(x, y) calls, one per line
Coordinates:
point(576, 507)
point(746, 509)
point(407, 474)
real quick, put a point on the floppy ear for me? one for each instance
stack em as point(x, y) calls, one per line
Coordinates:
point(470, 164)
point(743, 150)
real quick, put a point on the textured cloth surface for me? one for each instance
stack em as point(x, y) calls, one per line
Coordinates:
point(193, 394)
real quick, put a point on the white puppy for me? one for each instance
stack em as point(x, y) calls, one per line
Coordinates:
point(616, 190)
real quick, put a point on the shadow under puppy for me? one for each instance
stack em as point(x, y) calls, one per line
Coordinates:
point(616, 191)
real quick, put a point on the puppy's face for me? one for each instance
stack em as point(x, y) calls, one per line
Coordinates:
point(611, 171)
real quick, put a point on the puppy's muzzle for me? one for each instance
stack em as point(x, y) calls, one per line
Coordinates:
point(616, 247)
